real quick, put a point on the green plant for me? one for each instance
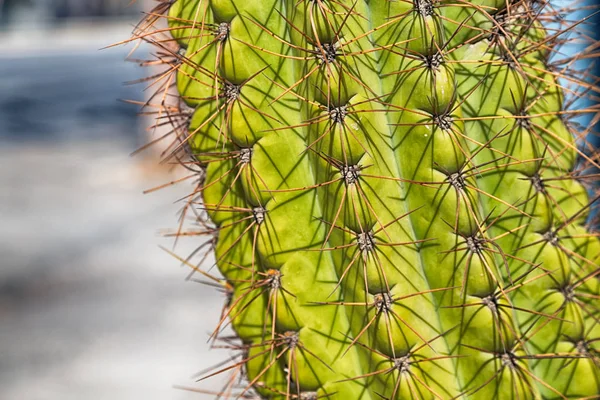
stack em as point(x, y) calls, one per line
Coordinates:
point(392, 190)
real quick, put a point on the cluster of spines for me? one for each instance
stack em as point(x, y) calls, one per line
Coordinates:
point(391, 191)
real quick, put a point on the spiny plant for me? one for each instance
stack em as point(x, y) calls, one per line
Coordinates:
point(396, 193)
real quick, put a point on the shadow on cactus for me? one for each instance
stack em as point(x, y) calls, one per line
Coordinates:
point(396, 193)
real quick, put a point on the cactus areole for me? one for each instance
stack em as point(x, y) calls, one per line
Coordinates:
point(392, 192)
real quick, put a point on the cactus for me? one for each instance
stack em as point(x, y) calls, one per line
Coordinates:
point(392, 191)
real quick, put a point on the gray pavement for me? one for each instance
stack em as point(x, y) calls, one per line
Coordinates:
point(90, 307)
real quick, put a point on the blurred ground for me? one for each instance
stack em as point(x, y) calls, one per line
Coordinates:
point(90, 307)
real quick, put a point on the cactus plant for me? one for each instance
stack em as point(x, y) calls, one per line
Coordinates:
point(392, 191)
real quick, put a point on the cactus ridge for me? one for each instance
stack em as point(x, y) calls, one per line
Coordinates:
point(397, 193)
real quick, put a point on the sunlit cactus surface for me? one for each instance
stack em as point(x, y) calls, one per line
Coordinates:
point(395, 197)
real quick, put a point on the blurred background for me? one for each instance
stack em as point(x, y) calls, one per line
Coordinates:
point(90, 307)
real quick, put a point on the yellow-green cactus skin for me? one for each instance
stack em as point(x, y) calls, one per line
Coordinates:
point(392, 193)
